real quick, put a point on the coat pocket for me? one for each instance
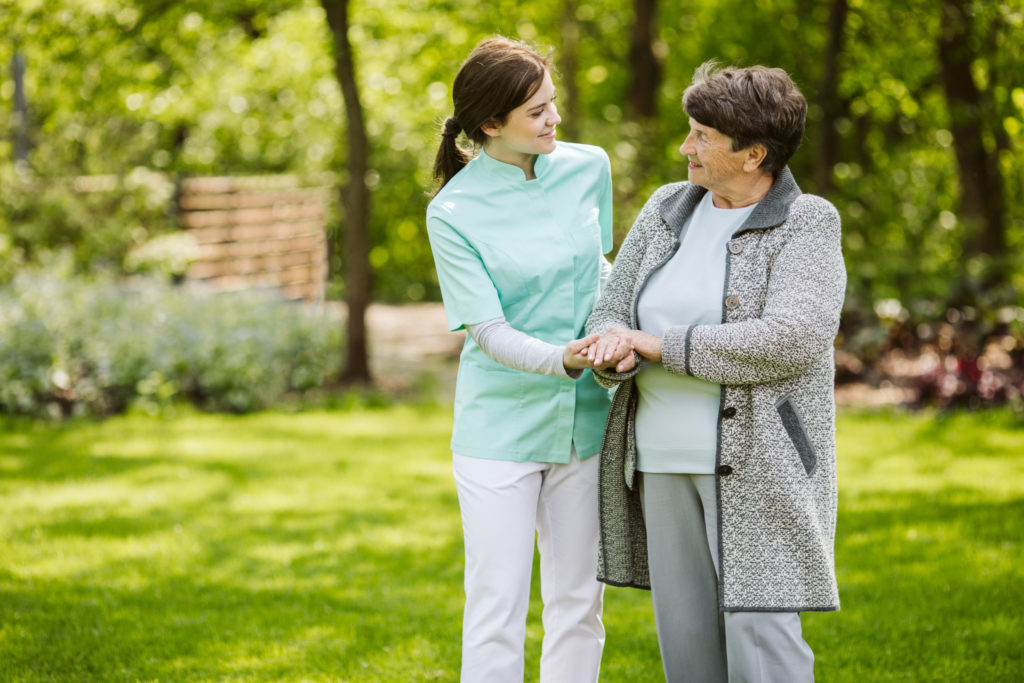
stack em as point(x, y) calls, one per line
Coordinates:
point(794, 425)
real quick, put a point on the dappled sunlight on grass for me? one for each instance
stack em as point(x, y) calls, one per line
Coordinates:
point(928, 549)
point(893, 454)
point(128, 562)
point(326, 545)
point(221, 546)
point(155, 488)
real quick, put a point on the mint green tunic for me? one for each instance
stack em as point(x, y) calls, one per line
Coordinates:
point(528, 251)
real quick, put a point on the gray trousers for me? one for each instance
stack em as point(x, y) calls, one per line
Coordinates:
point(698, 642)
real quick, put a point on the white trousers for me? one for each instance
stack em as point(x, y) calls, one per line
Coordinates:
point(503, 505)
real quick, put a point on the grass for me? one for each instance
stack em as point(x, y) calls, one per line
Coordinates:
point(326, 545)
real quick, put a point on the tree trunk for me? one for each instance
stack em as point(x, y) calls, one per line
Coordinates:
point(20, 109)
point(832, 107)
point(982, 200)
point(355, 197)
point(568, 63)
point(645, 70)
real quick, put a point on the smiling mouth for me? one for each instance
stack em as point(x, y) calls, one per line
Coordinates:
point(549, 134)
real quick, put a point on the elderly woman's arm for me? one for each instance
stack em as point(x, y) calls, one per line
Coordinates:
point(799, 321)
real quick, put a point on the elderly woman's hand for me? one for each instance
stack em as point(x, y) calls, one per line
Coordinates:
point(582, 354)
point(647, 345)
point(609, 350)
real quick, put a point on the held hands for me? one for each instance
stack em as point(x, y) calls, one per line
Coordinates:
point(647, 345)
point(574, 356)
point(613, 350)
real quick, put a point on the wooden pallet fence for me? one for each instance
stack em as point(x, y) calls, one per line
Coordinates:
point(257, 232)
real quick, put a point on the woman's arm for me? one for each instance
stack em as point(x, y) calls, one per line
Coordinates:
point(517, 350)
point(800, 317)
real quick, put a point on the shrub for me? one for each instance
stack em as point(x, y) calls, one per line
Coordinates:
point(100, 219)
point(71, 345)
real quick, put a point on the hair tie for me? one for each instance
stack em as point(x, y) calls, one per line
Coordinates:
point(451, 127)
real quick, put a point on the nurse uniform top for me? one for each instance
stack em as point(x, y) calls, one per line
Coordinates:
point(528, 250)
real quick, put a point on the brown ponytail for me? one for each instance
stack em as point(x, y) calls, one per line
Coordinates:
point(498, 76)
point(450, 157)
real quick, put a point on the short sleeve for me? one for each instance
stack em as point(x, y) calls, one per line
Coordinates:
point(469, 294)
point(606, 206)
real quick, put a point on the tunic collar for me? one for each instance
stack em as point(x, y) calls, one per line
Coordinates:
point(769, 212)
point(510, 172)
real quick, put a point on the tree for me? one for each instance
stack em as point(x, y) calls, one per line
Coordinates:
point(831, 104)
point(355, 198)
point(645, 71)
point(569, 63)
point(982, 201)
point(21, 122)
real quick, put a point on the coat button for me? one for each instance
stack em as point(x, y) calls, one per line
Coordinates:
point(724, 470)
point(735, 247)
point(732, 302)
point(729, 412)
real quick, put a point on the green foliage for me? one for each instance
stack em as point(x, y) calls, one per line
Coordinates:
point(243, 87)
point(326, 545)
point(186, 87)
point(74, 345)
point(189, 88)
point(98, 219)
point(168, 254)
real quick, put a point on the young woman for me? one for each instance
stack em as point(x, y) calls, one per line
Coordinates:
point(518, 235)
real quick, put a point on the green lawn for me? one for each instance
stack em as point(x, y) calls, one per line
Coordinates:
point(326, 546)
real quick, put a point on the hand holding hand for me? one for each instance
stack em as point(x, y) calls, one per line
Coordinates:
point(609, 350)
point(575, 357)
point(647, 345)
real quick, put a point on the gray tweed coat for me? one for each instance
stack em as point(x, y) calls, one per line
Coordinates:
point(772, 354)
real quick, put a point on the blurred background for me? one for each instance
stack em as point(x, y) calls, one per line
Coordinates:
point(915, 132)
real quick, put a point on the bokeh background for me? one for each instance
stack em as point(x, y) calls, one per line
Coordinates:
point(915, 132)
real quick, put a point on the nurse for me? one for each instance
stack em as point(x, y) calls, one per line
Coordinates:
point(518, 235)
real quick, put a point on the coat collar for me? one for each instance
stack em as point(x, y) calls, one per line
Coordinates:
point(769, 212)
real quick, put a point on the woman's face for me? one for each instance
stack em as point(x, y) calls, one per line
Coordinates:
point(713, 163)
point(529, 128)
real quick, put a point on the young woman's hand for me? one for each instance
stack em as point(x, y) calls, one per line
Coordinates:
point(574, 356)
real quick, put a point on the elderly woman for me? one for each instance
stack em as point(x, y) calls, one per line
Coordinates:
point(718, 472)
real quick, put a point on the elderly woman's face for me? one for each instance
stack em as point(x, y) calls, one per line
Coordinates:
point(713, 163)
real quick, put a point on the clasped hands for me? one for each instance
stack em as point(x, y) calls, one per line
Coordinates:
point(613, 349)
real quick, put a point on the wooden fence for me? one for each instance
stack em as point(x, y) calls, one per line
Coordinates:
point(257, 232)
